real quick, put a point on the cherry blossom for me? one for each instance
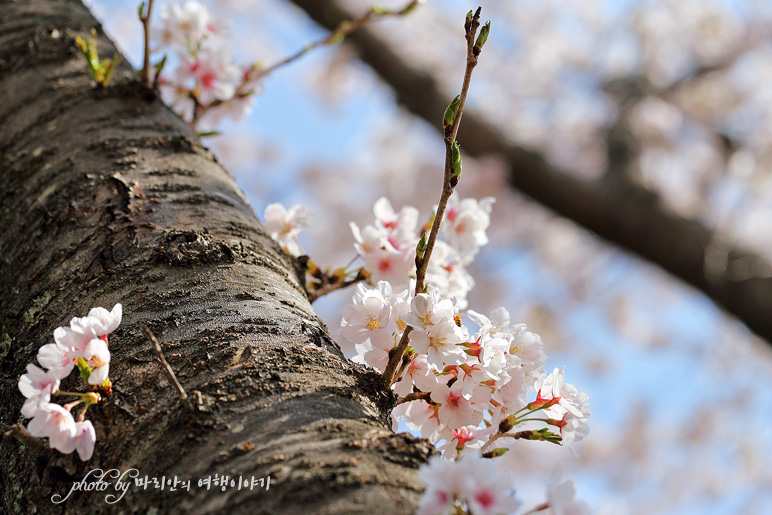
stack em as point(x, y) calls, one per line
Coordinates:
point(58, 359)
point(100, 321)
point(98, 358)
point(53, 422)
point(469, 482)
point(561, 497)
point(82, 344)
point(455, 410)
point(283, 225)
point(83, 441)
point(213, 72)
point(37, 386)
point(465, 224)
point(185, 25)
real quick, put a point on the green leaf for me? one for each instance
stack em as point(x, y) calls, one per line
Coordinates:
point(482, 37)
point(495, 453)
point(455, 160)
point(159, 66)
point(450, 114)
point(84, 369)
point(468, 21)
point(108, 71)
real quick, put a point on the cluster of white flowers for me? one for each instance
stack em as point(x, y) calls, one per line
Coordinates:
point(474, 485)
point(461, 388)
point(388, 246)
point(467, 388)
point(83, 345)
point(207, 79)
point(471, 483)
point(470, 383)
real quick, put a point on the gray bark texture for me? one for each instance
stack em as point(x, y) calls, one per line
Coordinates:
point(620, 211)
point(107, 196)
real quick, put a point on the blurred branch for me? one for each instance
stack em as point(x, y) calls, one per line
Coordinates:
point(624, 214)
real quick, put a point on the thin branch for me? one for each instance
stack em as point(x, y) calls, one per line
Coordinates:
point(144, 17)
point(415, 396)
point(422, 261)
point(168, 369)
point(325, 283)
point(19, 432)
point(537, 509)
point(340, 33)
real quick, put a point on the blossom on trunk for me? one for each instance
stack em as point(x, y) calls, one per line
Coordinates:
point(283, 225)
point(53, 422)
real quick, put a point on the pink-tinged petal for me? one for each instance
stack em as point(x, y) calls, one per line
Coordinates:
point(99, 374)
point(36, 382)
point(56, 358)
point(85, 439)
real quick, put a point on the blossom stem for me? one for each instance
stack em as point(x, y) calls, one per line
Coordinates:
point(72, 404)
point(447, 191)
point(539, 508)
point(490, 441)
point(78, 394)
point(345, 268)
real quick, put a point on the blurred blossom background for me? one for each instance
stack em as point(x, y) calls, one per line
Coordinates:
point(680, 392)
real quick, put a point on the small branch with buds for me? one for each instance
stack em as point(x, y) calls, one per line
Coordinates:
point(450, 123)
point(339, 34)
point(336, 36)
point(168, 369)
point(322, 282)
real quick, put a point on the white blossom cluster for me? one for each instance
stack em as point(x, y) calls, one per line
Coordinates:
point(468, 388)
point(471, 381)
point(207, 79)
point(388, 246)
point(460, 388)
point(83, 345)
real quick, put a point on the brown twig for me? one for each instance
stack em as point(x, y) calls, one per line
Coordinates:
point(336, 36)
point(448, 185)
point(415, 396)
point(168, 369)
point(144, 17)
point(339, 34)
point(19, 432)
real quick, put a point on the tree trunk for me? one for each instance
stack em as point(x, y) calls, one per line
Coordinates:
point(621, 212)
point(107, 196)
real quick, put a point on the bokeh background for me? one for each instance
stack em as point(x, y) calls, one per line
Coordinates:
point(681, 393)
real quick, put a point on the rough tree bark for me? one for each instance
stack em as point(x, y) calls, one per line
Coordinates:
point(106, 196)
point(618, 211)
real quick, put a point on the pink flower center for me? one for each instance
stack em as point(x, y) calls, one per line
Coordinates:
point(463, 435)
point(384, 265)
point(207, 79)
point(485, 499)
